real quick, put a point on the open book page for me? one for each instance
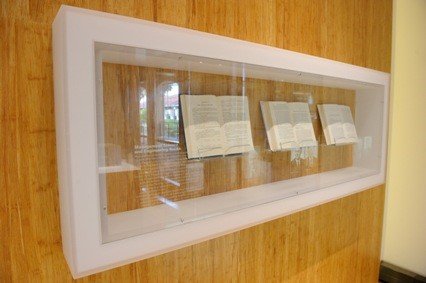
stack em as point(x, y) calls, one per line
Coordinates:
point(348, 124)
point(267, 121)
point(236, 124)
point(281, 115)
point(333, 123)
point(203, 132)
point(302, 124)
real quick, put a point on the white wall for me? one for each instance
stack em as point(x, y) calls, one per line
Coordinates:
point(404, 242)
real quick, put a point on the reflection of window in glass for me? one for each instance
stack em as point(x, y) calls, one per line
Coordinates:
point(171, 112)
point(143, 114)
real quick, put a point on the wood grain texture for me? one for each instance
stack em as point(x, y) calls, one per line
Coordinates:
point(335, 242)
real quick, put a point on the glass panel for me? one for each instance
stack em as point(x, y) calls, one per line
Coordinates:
point(147, 180)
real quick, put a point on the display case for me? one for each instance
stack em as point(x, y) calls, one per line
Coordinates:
point(162, 142)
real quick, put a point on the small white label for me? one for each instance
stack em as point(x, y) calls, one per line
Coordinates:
point(368, 142)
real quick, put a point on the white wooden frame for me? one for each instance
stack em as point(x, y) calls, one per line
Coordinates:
point(74, 32)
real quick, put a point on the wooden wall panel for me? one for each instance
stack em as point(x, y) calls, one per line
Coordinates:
point(338, 241)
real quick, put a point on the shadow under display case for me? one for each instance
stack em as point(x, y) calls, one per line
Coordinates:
point(162, 139)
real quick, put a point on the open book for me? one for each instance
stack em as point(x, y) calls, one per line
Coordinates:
point(216, 125)
point(288, 125)
point(337, 124)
